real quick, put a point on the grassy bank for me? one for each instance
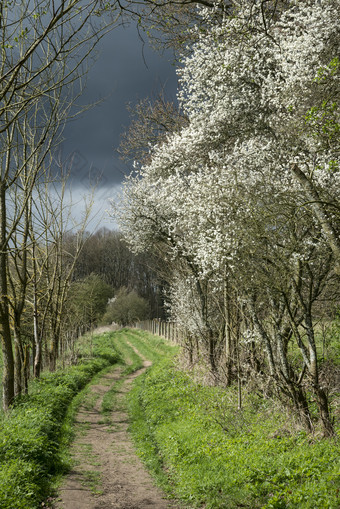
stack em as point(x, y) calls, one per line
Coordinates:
point(33, 431)
point(205, 451)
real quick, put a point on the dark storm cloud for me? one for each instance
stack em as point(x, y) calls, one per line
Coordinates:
point(119, 76)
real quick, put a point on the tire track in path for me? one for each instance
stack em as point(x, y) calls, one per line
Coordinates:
point(108, 473)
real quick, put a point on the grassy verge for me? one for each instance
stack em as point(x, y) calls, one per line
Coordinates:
point(153, 348)
point(33, 433)
point(200, 447)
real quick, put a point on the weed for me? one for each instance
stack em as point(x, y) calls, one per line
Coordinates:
point(92, 481)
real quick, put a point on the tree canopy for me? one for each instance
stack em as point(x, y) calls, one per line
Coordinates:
point(242, 202)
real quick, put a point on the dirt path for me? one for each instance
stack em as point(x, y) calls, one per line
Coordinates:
point(107, 474)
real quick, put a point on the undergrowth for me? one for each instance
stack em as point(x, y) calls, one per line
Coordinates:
point(33, 432)
point(206, 452)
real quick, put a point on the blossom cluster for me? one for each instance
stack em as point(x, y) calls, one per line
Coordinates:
point(260, 91)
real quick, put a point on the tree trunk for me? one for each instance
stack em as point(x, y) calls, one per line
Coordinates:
point(26, 368)
point(53, 353)
point(321, 397)
point(37, 359)
point(37, 332)
point(8, 364)
point(227, 332)
point(212, 353)
point(6, 336)
point(18, 367)
point(301, 405)
point(320, 212)
point(322, 402)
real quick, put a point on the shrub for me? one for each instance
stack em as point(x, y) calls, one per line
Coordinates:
point(20, 484)
point(126, 308)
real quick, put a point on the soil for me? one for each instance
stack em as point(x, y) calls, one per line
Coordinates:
point(107, 471)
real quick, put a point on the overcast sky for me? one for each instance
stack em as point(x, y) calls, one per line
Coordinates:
point(125, 71)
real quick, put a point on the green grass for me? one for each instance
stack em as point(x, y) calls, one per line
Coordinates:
point(109, 401)
point(34, 434)
point(199, 447)
point(153, 348)
point(92, 481)
point(205, 451)
point(131, 358)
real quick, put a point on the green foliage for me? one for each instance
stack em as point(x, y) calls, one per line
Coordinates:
point(221, 457)
point(32, 432)
point(105, 352)
point(324, 73)
point(88, 299)
point(323, 120)
point(126, 308)
point(101, 346)
point(19, 484)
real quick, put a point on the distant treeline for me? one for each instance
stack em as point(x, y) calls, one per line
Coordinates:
point(106, 254)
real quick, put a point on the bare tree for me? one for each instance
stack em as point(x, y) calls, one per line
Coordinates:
point(152, 120)
point(44, 49)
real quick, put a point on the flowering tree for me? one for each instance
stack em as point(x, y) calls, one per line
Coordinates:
point(247, 195)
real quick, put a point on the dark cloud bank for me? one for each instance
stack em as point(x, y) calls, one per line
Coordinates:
point(124, 72)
